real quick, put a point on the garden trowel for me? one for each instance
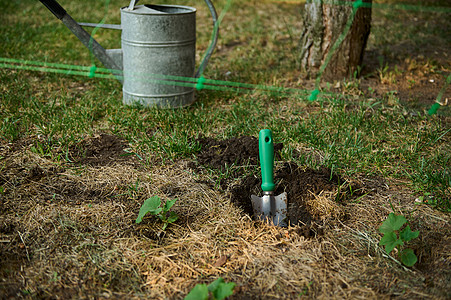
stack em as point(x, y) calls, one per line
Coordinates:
point(269, 207)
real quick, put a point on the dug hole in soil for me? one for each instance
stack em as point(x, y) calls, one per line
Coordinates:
point(308, 191)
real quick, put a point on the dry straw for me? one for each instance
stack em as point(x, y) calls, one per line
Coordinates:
point(74, 229)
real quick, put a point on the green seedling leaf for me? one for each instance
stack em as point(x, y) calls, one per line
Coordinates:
point(406, 234)
point(221, 289)
point(408, 258)
point(151, 205)
point(224, 290)
point(214, 285)
point(199, 292)
point(172, 217)
point(393, 222)
point(156, 211)
point(169, 204)
point(390, 241)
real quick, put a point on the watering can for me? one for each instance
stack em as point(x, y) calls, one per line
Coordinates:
point(157, 55)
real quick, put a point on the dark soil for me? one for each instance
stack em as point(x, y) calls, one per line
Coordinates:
point(235, 151)
point(101, 150)
point(300, 184)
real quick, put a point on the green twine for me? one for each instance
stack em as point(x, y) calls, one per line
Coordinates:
point(437, 104)
point(392, 6)
point(218, 85)
point(200, 83)
point(314, 95)
point(357, 4)
point(92, 71)
point(434, 109)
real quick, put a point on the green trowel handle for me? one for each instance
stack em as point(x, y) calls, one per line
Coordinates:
point(266, 153)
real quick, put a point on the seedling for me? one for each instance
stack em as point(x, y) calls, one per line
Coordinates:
point(217, 290)
point(41, 150)
point(152, 206)
point(305, 289)
point(395, 238)
point(55, 277)
point(427, 198)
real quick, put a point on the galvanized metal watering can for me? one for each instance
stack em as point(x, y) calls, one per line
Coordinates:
point(157, 54)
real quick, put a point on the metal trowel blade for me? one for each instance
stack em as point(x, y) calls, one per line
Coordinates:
point(271, 208)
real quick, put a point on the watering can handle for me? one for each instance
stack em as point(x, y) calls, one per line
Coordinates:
point(213, 42)
point(132, 4)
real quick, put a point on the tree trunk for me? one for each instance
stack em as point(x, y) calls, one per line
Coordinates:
point(334, 37)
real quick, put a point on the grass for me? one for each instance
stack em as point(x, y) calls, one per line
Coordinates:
point(362, 128)
point(358, 137)
point(362, 136)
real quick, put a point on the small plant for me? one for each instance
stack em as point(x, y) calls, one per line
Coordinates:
point(386, 76)
point(395, 238)
point(217, 290)
point(427, 198)
point(152, 206)
point(41, 150)
point(55, 277)
point(133, 189)
point(305, 289)
point(391, 97)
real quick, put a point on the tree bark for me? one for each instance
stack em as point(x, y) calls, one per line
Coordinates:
point(325, 23)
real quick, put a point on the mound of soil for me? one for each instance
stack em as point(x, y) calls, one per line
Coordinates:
point(100, 150)
point(302, 185)
point(235, 151)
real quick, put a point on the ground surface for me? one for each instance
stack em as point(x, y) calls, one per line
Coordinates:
point(76, 233)
point(76, 165)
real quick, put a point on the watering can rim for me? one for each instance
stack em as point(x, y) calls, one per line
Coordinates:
point(189, 9)
point(126, 9)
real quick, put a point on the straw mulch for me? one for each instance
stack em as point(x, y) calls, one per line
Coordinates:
point(68, 231)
